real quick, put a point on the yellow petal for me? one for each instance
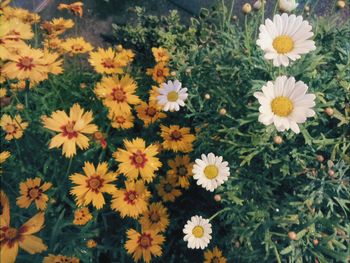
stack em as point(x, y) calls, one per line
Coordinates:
point(7, 254)
point(33, 225)
point(32, 244)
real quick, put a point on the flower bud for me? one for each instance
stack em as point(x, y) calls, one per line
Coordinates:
point(247, 8)
point(287, 5)
point(217, 198)
point(329, 111)
point(292, 235)
point(277, 140)
point(341, 4)
point(222, 111)
point(207, 96)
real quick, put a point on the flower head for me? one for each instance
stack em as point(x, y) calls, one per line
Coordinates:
point(60, 259)
point(159, 72)
point(181, 168)
point(76, 46)
point(168, 188)
point(214, 256)
point(76, 8)
point(149, 112)
point(287, 5)
point(172, 96)
point(156, 218)
point(177, 138)
point(14, 128)
point(197, 232)
point(160, 54)
point(108, 61)
point(121, 121)
point(57, 26)
point(82, 216)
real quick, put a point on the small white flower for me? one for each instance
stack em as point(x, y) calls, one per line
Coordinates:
point(210, 171)
point(197, 232)
point(172, 96)
point(285, 103)
point(285, 38)
point(287, 5)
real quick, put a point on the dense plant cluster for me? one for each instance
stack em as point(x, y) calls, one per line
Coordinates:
point(155, 148)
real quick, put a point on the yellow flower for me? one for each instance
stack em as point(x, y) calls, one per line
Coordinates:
point(156, 218)
point(117, 94)
point(159, 72)
point(76, 46)
point(76, 8)
point(107, 61)
point(91, 243)
point(131, 201)
point(82, 216)
point(181, 168)
point(52, 63)
point(32, 190)
point(3, 92)
point(138, 160)
point(19, 86)
point(71, 129)
point(214, 256)
point(5, 209)
point(177, 138)
point(54, 43)
point(57, 26)
point(121, 121)
point(3, 157)
point(167, 188)
point(22, 14)
point(153, 94)
point(126, 55)
point(149, 113)
point(160, 54)
point(145, 244)
point(60, 259)
point(12, 238)
point(13, 127)
point(90, 186)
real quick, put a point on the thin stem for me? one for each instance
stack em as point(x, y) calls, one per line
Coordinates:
point(219, 212)
point(69, 166)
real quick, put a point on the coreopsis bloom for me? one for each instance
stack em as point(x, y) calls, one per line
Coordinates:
point(287, 5)
point(172, 96)
point(117, 93)
point(57, 26)
point(14, 128)
point(91, 186)
point(12, 238)
point(197, 232)
point(22, 14)
point(76, 46)
point(159, 72)
point(156, 218)
point(160, 54)
point(149, 112)
point(153, 94)
point(5, 209)
point(71, 129)
point(4, 155)
point(60, 259)
point(137, 159)
point(168, 188)
point(76, 8)
point(107, 61)
point(121, 121)
point(52, 63)
point(82, 216)
point(177, 138)
point(125, 55)
point(19, 86)
point(210, 171)
point(54, 43)
point(285, 103)
point(145, 244)
point(284, 38)
point(214, 256)
point(91, 243)
point(131, 200)
point(181, 168)
point(32, 190)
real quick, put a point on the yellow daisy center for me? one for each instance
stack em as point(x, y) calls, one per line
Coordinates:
point(11, 233)
point(283, 44)
point(281, 106)
point(211, 171)
point(172, 96)
point(198, 231)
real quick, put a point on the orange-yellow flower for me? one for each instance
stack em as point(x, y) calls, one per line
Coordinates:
point(3, 157)
point(82, 216)
point(167, 188)
point(76, 46)
point(71, 129)
point(159, 72)
point(76, 8)
point(160, 54)
point(214, 256)
point(121, 121)
point(60, 259)
point(177, 138)
point(91, 186)
point(145, 244)
point(156, 218)
point(107, 61)
point(57, 26)
point(138, 159)
point(14, 128)
point(181, 168)
point(149, 112)
point(32, 190)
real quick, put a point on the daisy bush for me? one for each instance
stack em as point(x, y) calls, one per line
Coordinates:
point(223, 140)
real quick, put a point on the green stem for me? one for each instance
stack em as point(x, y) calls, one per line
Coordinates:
point(219, 212)
point(69, 166)
point(278, 258)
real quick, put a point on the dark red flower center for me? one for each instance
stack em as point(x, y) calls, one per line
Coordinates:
point(138, 159)
point(68, 130)
point(77, 47)
point(159, 73)
point(176, 135)
point(151, 111)
point(130, 197)
point(34, 193)
point(95, 183)
point(145, 240)
point(154, 217)
point(118, 94)
point(108, 63)
point(25, 63)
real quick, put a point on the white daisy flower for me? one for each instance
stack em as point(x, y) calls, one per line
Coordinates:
point(285, 103)
point(197, 232)
point(284, 38)
point(172, 96)
point(210, 171)
point(287, 5)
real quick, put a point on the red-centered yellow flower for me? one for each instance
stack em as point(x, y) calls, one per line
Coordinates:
point(131, 201)
point(156, 218)
point(14, 128)
point(167, 188)
point(12, 238)
point(214, 256)
point(53, 63)
point(60, 259)
point(71, 129)
point(117, 94)
point(19, 86)
point(126, 56)
point(82, 216)
point(159, 72)
point(91, 186)
point(121, 121)
point(3, 157)
point(137, 159)
point(91, 243)
point(76, 46)
point(160, 54)
point(76, 8)
point(181, 168)
point(54, 44)
point(145, 244)
point(22, 14)
point(28, 64)
point(57, 26)
point(33, 191)
point(149, 112)
point(106, 61)
point(177, 138)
